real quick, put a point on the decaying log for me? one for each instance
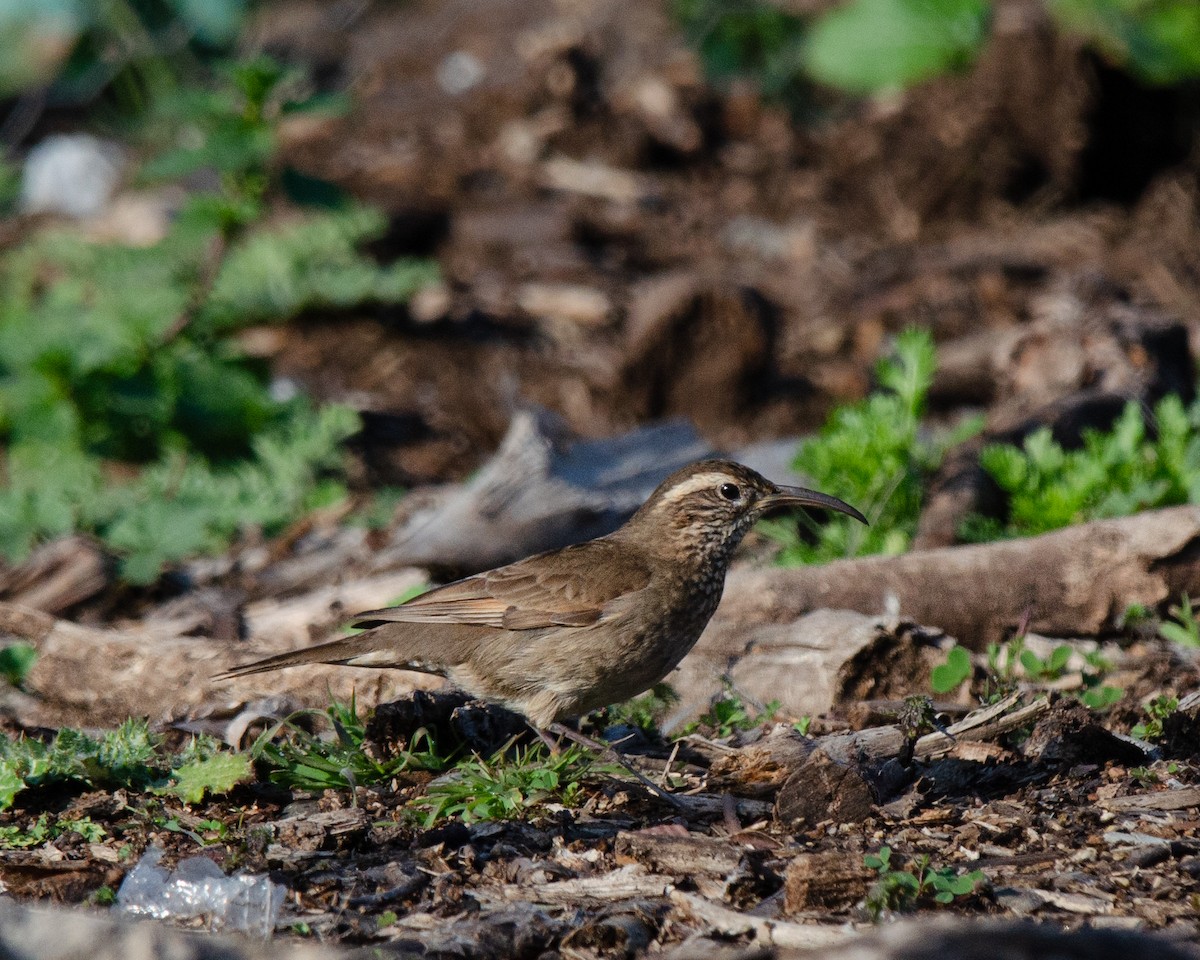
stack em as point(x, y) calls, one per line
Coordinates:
point(1072, 734)
point(764, 765)
point(99, 677)
point(825, 881)
point(837, 777)
point(821, 789)
point(1181, 798)
point(684, 856)
point(625, 883)
point(276, 625)
point(807, 662)
point(1072, 582)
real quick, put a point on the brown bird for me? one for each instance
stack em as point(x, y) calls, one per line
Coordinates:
point(565, 632)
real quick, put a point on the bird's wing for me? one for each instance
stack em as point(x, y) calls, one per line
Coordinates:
point(570, 588)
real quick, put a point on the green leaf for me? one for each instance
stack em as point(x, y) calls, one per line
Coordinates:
point(16, 661)
point(948, 676)
point(1033, 664)
point(1101, 698)
point(219, 773)
point(1157, 40)
point(11, 783)
point(1059, 658)
point(868, 46)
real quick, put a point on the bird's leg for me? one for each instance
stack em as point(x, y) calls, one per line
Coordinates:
point(551, 744)
point(612, 753)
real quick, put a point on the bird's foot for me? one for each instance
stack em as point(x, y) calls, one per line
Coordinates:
point(612, 753)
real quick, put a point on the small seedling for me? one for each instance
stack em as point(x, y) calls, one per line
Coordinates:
point(1183, 627)
point(379, 510)
point(1157, 711)
point(950, 675)
point(802, 725)
point(918, 883)
point(1101, 697)
point(915, 717)
point(45, 829)
point(730, 714)
point(1051, 667)
point(104, 896)
point(644, 712)
point(1135, 616)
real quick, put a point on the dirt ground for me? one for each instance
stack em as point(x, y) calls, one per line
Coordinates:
point(622, 243)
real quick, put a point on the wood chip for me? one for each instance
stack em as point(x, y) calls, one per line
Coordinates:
point(625, 883)
point(776, 933)
point(1180, 799)
point(825, 880)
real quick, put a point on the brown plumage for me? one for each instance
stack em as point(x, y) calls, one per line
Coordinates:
point(565, 632)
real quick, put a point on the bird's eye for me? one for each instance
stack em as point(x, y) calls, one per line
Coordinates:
point(730, 491)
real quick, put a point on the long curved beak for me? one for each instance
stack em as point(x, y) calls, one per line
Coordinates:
point(800, 497)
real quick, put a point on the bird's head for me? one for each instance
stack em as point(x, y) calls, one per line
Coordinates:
point(711, 504)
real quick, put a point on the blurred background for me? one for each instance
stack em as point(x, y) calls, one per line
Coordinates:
point(272, 272)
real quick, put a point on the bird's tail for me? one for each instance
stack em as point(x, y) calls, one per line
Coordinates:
point(358, 651)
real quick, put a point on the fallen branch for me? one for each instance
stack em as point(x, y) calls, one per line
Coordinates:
point(1072, 582)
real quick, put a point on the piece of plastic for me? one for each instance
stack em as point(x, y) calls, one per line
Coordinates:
point(197, 888)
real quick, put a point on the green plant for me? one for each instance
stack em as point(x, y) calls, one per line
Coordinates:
point(1101, 697)
point(506, 787)
point(644, 712)
point(729, 714)
point(1051, 667)
point(1115, 473)
point(803, 725)
point(948, 676)
point(867, 46)
point(75, 51)
point(16, 661)
point(44, 829)
point(872, 455)
point(378, 511)
point(339, 760)
point(1000, 676)
point(1159, 42)
point(1148, 776)
point(748, 38)
point(130, 757)
point(906, 889)
point(1157, 711)
point(219, 773)
point(104, 896)
point(880, 46)
point(1183, 628)
point(128, 407)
